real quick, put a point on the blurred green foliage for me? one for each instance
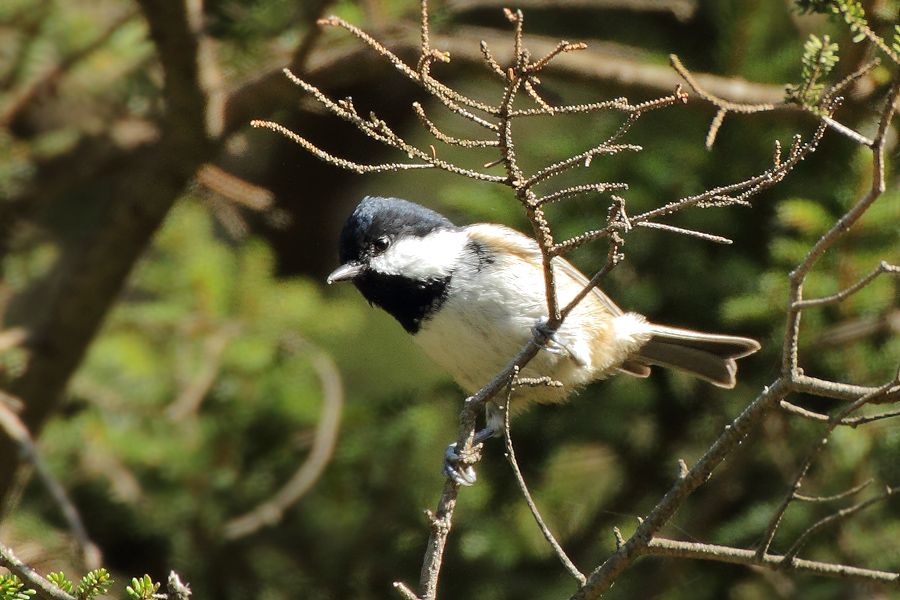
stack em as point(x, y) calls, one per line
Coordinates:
point(12, 588)
point(159, 457)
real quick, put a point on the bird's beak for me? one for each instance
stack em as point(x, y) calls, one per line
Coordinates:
point(345, 272)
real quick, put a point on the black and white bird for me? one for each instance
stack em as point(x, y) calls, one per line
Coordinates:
point(472, 296)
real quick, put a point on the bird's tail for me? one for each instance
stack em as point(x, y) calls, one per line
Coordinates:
point(708, 356)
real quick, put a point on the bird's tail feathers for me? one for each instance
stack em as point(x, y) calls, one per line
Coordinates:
point(709, 356)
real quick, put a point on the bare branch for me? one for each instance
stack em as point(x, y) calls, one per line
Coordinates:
point(47, 590)
point(523, 488)
point(602, 578)
point(374, 128)
point(491, 61)
point(332, 159)
point(579, 189)
point(833, 422)
point(447, 139)
point(883, 267)
point(798, 275)
point(721, 103)
point(561, 47)
point(585, 158)
point(790, 555)
point(10, 423)
point(836, 390)
point(737, 556)
point(680, 9)
point(724, 106)
point(846, 131)
point(845, 494)
point(688, 232)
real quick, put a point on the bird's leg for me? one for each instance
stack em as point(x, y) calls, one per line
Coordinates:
point(458, 466)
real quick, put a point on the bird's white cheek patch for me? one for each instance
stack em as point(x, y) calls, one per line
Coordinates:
point(430, 257)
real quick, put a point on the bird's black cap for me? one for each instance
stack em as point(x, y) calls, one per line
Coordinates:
point(375, 217)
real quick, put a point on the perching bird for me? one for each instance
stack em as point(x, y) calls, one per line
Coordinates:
point(472, 297)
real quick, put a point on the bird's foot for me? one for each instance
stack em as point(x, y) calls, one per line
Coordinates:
point(551, 342)
point(458, 466)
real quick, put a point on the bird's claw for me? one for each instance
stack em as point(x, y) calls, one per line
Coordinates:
point(545, 337)
point(551, 342)
point(458, 465)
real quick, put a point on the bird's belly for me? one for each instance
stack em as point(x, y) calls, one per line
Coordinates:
point(475, 341)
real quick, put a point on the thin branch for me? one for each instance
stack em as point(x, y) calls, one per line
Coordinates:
point(523, 488)
point(718, 239)
point(737, 556)
point(682, 10)
point(492, 63)
point(843, 84)
point(404, 591)
point(836, 390)
point(724, 106)
point(718, 196)
point(847, 132)
point(833, 422)
point(840, 496)
point(332, 159)
point(374, 128)
point(865, 419)
point(621, 104)
point(721, 103)
point(422, 76)
point(614, 256)
point(602, 578)
point(447, 139)
point(745, 188)
point(44, 588)
point(272, 510)
point(883, 267)
point(579, 189)
point(863, 27)
point(790, 555)
point(561, 48)
point(441, 520)
point(798, 275)
point(16, 430)
point(585, 158)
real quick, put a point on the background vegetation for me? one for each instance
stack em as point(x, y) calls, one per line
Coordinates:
point(197, 393)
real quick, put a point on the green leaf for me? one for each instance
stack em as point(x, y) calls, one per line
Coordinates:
point(142, 589)
point(13, 589)
point(59, 579)
point(93, 584)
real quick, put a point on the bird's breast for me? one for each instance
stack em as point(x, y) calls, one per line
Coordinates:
point(486, 319)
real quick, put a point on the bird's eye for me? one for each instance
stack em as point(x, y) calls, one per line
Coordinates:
point(381, 244)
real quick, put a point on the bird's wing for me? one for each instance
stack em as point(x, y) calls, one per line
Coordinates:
point(509, 240)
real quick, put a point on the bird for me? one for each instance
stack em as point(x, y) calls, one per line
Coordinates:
point(472, 296)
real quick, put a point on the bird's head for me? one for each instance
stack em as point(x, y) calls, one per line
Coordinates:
point(400, 255)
